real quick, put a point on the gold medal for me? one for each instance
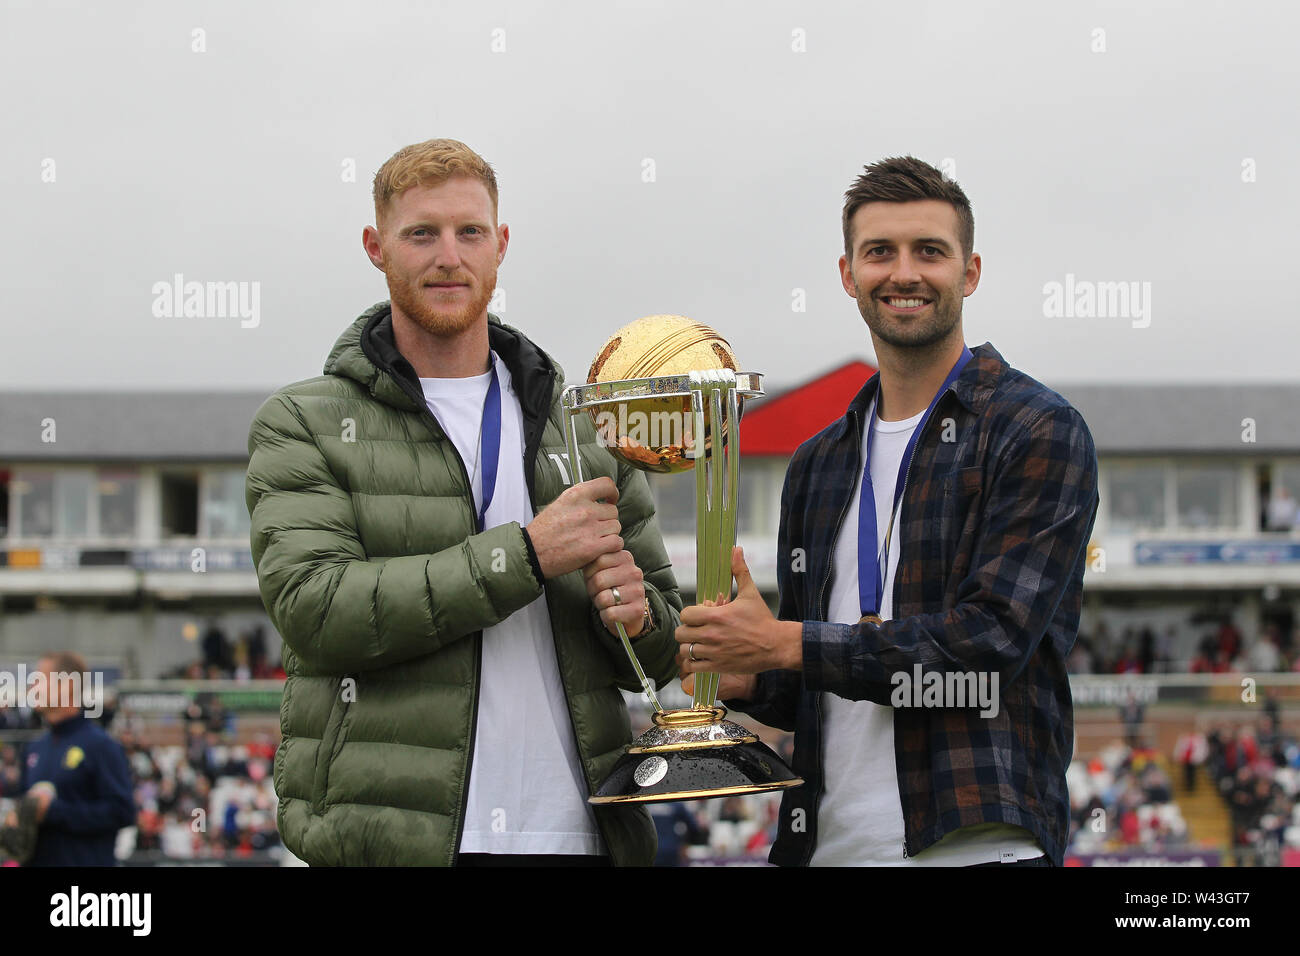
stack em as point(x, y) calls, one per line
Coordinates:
point(870, 619)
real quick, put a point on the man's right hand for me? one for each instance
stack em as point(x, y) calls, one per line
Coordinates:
point(577, 527)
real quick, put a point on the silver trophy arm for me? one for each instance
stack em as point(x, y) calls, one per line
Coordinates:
point(575, 462)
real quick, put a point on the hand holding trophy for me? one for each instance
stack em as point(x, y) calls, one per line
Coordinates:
point(666, 397)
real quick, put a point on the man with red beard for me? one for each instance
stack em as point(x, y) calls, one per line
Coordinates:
point(448, 602)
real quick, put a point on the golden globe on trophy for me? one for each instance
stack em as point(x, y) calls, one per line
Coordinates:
point(665, 396)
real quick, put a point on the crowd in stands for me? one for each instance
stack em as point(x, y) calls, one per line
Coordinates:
point(211, 797)
point(1224, 650)
point(245, 658)
point(1256, 770)
point(1122, 798)
point(207, 799)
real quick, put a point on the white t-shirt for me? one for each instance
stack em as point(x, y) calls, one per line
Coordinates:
point(860, 816)
point(526, 789)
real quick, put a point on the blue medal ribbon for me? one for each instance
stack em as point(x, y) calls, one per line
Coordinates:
point(871, 570)
point(490, 439)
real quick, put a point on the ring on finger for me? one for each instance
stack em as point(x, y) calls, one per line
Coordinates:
point(690, 652)
point(618, 598)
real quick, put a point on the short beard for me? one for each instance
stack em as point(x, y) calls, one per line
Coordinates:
point(409, 301)
point(938, 329)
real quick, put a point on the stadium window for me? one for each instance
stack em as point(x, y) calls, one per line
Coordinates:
point(1206, 496)
point(225, 512)
point(72, 491)
point(1137, 497)
point(117, 492)
point(52, 504)
point(1281, 511)
point(179, 491)
point(34, 493)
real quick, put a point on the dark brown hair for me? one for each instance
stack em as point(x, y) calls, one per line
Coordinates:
point(907, 179)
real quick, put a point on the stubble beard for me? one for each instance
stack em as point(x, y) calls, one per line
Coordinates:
point(409, 299)
point(945, 316)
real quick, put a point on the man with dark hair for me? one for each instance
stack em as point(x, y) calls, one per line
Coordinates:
point(930, 595)
point(448, 602)
point(77, 778)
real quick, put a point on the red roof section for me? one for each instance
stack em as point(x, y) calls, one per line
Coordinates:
point(777, 426)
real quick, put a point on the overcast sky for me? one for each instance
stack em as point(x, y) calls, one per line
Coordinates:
point(683, 157)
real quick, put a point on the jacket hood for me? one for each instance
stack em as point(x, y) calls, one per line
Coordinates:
point(367, 353)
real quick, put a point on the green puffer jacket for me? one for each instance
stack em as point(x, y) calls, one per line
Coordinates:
point(363, 533)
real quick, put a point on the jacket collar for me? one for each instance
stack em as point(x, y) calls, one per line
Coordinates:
point(973, 387)
point(68, 725)
point(367, 353)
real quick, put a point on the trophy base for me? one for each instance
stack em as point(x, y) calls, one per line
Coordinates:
point(694, 755)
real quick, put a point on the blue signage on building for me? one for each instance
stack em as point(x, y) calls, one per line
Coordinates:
point(1255, 551)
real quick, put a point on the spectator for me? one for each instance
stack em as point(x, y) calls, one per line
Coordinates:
point(1229, 640)
point(1271, 708)
point(81, 777)
point(1080, 659)
point(1166, 645)
point(1191, 751)
point(216, 651)
point(1203, 662)
point(257, 652)
point(1281, 510)
point(1146, 650)
point(1132, 714)
point(1128, 662)
point(677, 827)
point(11, 775)
point(1264, 655)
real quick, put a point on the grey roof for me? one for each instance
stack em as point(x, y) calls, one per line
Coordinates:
point(128, 426)
point(1165, 419)
point(213, 426)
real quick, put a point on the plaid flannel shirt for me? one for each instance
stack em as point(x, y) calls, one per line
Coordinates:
point(999, 504)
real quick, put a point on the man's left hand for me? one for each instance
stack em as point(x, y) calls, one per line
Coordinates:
point(739, 636)
point(617, 569)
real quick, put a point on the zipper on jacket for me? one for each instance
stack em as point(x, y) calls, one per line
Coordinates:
point(478, 663)
point(478, 658)
point(469, 748)
point(531, 445)
point(423, 405)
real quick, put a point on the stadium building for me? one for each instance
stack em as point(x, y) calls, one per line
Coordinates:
point(124, 533)
point(124, 536)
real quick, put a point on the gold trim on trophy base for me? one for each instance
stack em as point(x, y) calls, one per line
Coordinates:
point(694, 745)
point(692, 717)
point(700, 794)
